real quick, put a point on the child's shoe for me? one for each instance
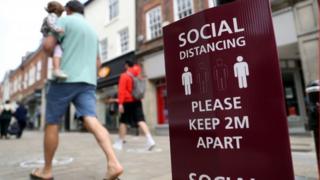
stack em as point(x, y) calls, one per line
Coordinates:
point(59, 74)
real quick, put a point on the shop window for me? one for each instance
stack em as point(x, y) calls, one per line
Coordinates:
point(154, 23)
point(290, 92)
point(162, 107)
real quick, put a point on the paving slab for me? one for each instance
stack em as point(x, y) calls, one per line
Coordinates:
point(80, 158)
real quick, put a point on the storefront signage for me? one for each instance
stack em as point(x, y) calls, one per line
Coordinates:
point(104, 72)
point(225, 96)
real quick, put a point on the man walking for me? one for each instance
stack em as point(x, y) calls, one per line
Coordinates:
point(79, 61)
point(130, 108)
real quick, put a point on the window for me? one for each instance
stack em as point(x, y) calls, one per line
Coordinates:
point(15, 86)
point(104, 49)
point(154, 22)
point(32, 73)
point(19, 82)
point(182, 8)
point(50, 68)
point(124, 40)
point(25, 82)
point(212, 3)
point(113, 9)
point(38, 72)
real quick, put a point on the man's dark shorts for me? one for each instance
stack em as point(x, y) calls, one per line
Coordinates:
point(133, 113)
point(60, 95)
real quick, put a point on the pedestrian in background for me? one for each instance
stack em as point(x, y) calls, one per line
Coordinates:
point(21, 115)
point(5, 119)
point(131, 108)
point(80, 61)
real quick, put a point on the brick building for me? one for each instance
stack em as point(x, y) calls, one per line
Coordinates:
point(152, 15)
point(27, 85)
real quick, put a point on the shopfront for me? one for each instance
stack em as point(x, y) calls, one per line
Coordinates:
point(293, 87)
point(108, 88)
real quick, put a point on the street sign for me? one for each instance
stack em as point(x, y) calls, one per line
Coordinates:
point(225, 97)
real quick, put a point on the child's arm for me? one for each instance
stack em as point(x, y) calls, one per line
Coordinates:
point(52, 20)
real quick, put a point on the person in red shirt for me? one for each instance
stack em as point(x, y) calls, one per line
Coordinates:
point(131, 108)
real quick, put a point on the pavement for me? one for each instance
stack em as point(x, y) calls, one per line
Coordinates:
point(80, 158)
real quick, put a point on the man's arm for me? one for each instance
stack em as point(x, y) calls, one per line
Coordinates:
point(98, 62)
point(52, 20)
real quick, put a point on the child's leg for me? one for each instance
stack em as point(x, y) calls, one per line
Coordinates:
point(57, 54)
point(49, 43)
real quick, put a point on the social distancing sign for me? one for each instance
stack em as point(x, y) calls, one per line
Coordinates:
point(225, 97)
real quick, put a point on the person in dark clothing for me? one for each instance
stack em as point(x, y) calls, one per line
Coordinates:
point(21, 116)
point(5, 118)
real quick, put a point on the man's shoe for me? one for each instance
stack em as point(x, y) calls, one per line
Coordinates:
point(118, 145)
point(150, 145)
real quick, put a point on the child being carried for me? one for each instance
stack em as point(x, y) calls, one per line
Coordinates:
point(50, 32)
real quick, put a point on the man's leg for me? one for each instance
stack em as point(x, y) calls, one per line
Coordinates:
point(102, 136)
point(122, 134)
point(6, 128)
point(145, 129)
point(122, 131)
point(51, 140)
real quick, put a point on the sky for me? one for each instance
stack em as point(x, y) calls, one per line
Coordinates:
point(20, 23)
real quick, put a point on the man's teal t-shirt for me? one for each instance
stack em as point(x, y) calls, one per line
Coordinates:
point(80, 49)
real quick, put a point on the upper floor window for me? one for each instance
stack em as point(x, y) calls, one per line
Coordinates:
point(15, 85)
point(49, 68)
point(104, 49)
point(113, 9)
point(154, 23)
point(32, 73)
point(124, 40)
point(25, 81)
point(182, 8)
point(19, 82)
point(212, 3)
point(38, 72)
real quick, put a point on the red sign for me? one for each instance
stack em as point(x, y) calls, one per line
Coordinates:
point(225, 97)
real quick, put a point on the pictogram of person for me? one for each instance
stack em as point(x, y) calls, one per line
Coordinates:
point(202, 77)
point(241, 71)
point(187, 81)
point(221, 74)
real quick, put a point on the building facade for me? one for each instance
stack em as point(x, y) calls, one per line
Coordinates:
point(297, 34)
point(27, 85)
point(132, 31)
point(296, 29)
point(152, 15)
point(114, 21)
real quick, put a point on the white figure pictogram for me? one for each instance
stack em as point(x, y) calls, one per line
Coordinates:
point(241, 71)
point(187, 81)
